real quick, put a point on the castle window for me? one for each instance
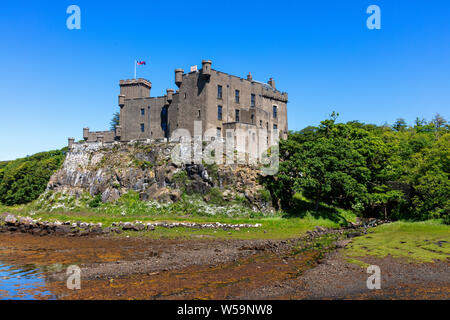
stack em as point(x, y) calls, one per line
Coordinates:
point(219, 132)
point(236, 96)
point(237, 115)
point(275, 127)
point(253, 118)
point(198, 113)
point(275, 111)
point(219, 113)
point(252, 102)
point(142, 127)
point(185, 95)
point(142, 112)
point(219, 92)
point(260, 123)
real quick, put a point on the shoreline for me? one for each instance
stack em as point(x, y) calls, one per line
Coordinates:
point(141, 268)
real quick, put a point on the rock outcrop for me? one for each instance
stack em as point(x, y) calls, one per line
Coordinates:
point(111, 170)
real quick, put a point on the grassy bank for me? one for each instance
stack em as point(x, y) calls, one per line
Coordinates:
point(425, 241)
point(275, 225)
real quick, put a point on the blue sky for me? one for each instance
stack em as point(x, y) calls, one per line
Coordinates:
point(55, 81)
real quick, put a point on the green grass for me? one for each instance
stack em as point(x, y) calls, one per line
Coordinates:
point(413, 241)
point(275, 227)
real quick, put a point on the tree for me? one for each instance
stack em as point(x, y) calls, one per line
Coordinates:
point(395, 172)
point(438, 121)
point(115, 121)
point(399, 125)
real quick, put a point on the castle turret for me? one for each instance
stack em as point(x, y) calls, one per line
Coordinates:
point(118, 132)
point(134, 88)
point(179, 77)
point(70, 142)
point(85, 133)
point(169, 94)
point(206, 67)
point(121, 100)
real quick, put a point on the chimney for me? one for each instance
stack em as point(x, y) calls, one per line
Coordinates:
point(249, 77)
point(271, 83)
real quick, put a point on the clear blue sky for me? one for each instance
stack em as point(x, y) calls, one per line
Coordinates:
point(55, 81)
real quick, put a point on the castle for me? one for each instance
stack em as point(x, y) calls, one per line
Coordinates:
point(221, 101)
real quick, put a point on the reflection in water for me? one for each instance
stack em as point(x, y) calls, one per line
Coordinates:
point(22, 283)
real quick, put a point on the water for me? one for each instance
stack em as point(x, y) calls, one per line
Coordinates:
point(22, 283)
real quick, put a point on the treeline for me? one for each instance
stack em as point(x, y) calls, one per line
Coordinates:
point(23, 180)
point(397, 171)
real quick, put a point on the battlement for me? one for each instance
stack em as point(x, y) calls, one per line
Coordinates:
point(138, 81)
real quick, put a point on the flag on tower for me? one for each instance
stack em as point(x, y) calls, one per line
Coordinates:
point(138, 63)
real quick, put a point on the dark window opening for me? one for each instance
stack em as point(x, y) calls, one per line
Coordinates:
point(252, 102)
point(142, 112)
point(164, 125)
point(142, 127)
point(237, 115)
point(219, 113)
point(236, 96)
point(275, 111)
point(219, 92)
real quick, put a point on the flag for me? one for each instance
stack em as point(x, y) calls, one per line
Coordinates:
point(140, 63)
point(194, 68)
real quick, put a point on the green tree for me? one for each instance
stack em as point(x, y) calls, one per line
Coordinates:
point(115, 121)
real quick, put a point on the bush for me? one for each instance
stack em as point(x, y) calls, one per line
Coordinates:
point(23, 180)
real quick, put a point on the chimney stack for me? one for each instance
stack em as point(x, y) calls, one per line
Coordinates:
point(271, 83)
point(249, 77)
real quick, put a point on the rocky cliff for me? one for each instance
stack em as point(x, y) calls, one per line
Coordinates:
point(111, 170)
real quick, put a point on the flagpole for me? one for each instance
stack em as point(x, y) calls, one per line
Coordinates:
point(135, 62)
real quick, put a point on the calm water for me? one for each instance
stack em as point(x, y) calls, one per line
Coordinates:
point(22, 283)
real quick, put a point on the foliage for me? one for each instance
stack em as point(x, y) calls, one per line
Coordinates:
point(115, 121)
point(382, 171)
point(23, 180)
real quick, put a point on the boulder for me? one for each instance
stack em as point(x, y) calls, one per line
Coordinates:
point(10, 220)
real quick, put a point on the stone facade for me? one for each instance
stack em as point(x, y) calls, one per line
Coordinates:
point(221, 101)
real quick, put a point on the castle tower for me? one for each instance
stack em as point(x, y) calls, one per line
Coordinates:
point(134, 88)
